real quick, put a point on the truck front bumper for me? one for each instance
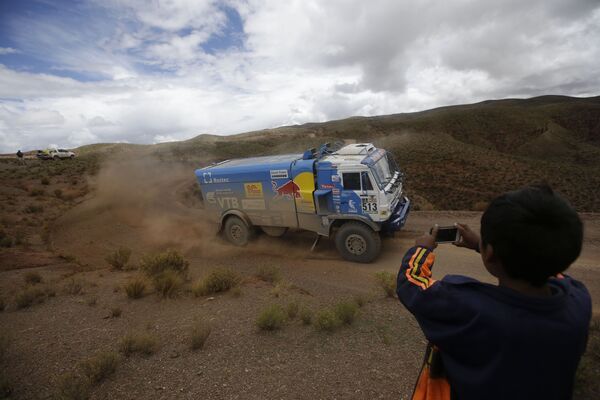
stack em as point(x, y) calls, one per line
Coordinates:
point(398, 217)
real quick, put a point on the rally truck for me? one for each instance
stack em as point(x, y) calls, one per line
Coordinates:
point(351, 193)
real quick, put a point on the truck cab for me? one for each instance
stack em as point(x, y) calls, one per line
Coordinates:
point(351, 193)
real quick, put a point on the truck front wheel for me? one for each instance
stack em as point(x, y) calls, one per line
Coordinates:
point(357, 242)
point(236, 231)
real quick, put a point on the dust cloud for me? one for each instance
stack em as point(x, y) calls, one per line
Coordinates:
point(150, 205)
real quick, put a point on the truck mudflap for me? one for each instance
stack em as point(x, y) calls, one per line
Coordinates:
point(398, 217)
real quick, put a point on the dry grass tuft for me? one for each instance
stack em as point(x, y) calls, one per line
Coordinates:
point(272, 318)
point(269, 273)
point(73, 287)
point(100, 366)
point(292, 309)
point(72, 386)
point(138, 343)
point(306, 316)
point(219, 280)
point(119, 259)
point(169, 260)
point(30, 296)
point(135, 288)
point(167, 284)
point(326, 321)
point(346, 312)
point(115, 312)
point(200, 333)
point(386, 281)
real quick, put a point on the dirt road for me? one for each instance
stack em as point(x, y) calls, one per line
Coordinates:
point(148, 210)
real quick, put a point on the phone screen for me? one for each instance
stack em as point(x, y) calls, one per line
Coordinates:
point(446, 234)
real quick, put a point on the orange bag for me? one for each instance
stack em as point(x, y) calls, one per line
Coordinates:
point(432, 383)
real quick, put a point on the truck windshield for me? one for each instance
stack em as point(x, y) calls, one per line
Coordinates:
point(384, 170)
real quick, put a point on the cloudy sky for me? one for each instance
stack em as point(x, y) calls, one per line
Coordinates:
point(75, 72)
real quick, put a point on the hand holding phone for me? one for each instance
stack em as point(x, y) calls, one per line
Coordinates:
point(468, 238)
point(446, 234)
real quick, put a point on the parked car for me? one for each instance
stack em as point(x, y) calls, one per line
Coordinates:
point(55, 154)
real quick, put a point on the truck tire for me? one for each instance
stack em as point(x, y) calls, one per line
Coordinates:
point(274, 231)
point(236, 231)
point(357, 242)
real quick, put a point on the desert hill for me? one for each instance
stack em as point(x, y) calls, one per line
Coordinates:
point(456, 157)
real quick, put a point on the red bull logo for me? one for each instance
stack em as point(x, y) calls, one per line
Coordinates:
point(288, 190)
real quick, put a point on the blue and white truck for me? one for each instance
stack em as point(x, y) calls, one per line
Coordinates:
point(351, 193)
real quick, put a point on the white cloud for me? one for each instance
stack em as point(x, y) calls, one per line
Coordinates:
point(297, 61)
point(7, 50)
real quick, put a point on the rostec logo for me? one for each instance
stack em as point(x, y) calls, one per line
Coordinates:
point(207, 177)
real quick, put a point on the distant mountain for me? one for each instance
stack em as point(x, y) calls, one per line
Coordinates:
point(456, 157)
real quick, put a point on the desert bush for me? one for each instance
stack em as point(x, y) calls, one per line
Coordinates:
point(119, 259)
point(5, 240)
point(32, 278)
point(72, 387)
point(73, 287)
point(326, 321)
point(306, 316)
point(272, 318)
point(29, 296)
point(115, 312)
point(167, 283)
point(360, 300)
point(45, 181)
point(33, 209)
point(219, 280)
point(199, 334)
point(138, 343)
point(58, 193)
point(386, 281)
point(269, 273)
point(2, 304)
point(346, 311)
point(135, 288)
point(37, 192)
point(279, 289)
point(168, 260)
point(100, 366)
point(292, 309)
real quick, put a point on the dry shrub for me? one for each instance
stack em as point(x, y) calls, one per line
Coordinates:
point(306, 316)
point(236, 291)
point(167, 283)
point(73, 287)
point(30, 296)
point(219, 280)
point(138, 343)
point(32, 278)
point(169, 260)
point(200, 333)
point(386, 281)
point(100, 366)
point(72, 387)
point(292, 309)
point(2, 304)
point(135, 288)
point(119, 259)
point(272, 318)
point(360, 300)
point(346, 312)
point(326, 321)
point(269, 273)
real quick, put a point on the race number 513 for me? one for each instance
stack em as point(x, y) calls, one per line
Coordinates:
point(369, 206)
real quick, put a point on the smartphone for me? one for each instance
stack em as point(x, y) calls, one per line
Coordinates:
point(446, 234)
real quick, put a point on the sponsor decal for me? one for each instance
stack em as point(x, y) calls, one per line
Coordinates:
point(288, 190)
point(253, 204)
point(220, 180)
point(207, 177)
point(352, 206)
point(210, 197)
point(279, 174)
point(227, 202)
point(327, 186)
point(336, 192)
point(253, 190)
point(335, 178)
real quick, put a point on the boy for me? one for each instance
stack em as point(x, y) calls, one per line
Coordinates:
point(521, 339)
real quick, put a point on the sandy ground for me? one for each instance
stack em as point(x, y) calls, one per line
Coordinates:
point(149, 210)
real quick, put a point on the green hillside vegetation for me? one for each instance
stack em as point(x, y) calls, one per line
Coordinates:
point(454, 158)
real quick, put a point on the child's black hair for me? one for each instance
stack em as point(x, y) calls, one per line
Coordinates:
point(534, 232)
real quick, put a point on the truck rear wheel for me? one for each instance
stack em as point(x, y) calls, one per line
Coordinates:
point(236, 231)
point(357, 242)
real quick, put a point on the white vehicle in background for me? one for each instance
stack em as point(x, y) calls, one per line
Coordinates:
point(55, 154)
